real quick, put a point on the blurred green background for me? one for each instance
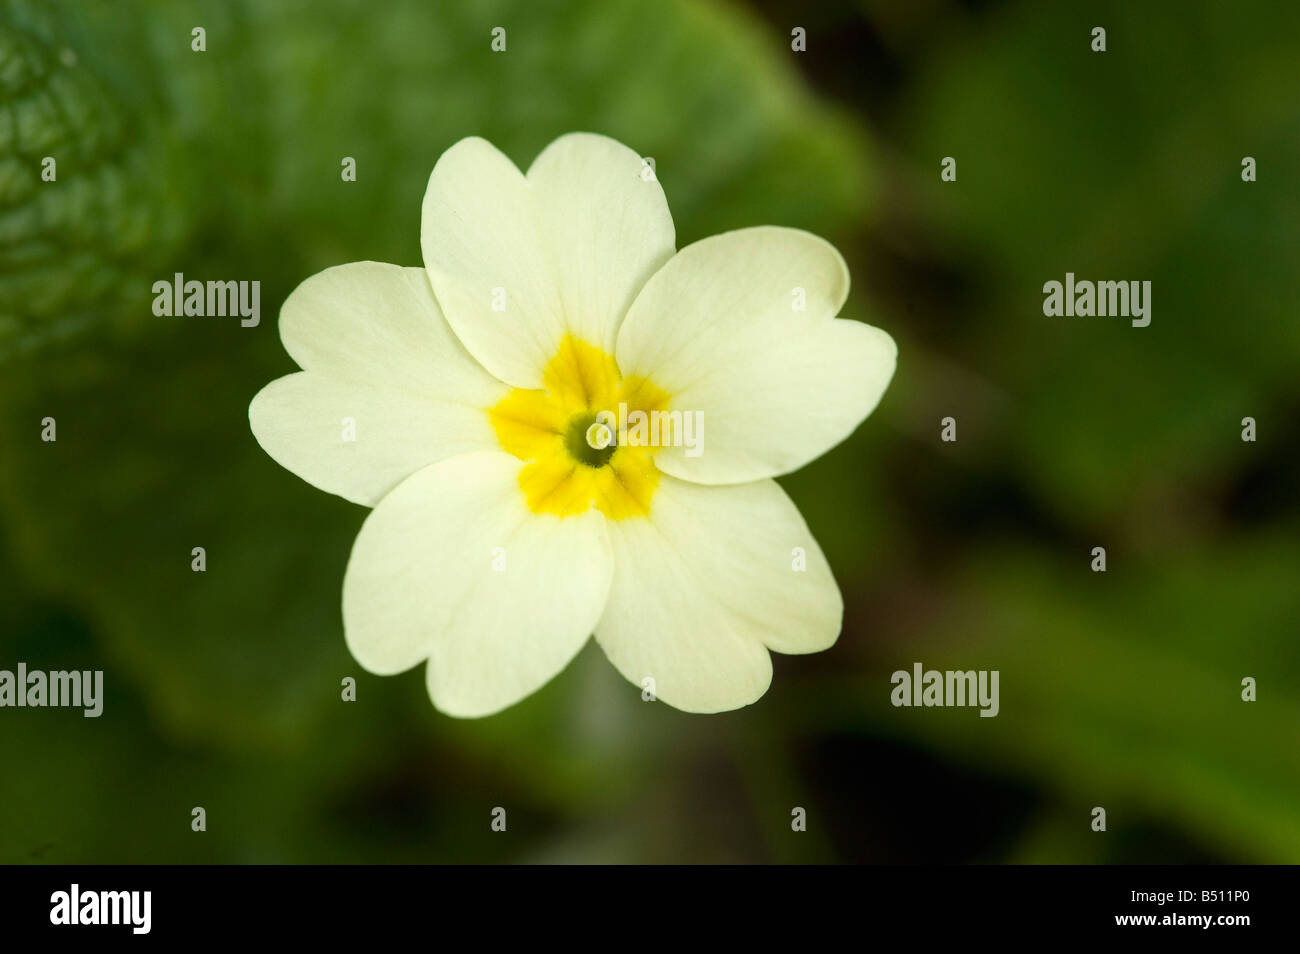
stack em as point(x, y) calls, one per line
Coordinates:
point(1119, 689)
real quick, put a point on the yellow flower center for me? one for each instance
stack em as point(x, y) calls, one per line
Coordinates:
point(567, 433)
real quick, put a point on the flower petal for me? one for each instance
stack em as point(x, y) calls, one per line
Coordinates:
point(388, 388)
point(718, 328)
point(422, 583)
point(707, 584)
point(376, 324)
point(519, 262)
point(606, 221)
point(356, 441)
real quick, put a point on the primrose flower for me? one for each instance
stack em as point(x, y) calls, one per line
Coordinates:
point(567, 429)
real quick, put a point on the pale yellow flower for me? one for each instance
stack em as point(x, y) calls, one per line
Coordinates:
point(504, 534)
